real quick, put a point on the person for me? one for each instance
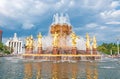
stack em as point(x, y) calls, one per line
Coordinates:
point(39, 40)
point(74, 38)
point(55, 39)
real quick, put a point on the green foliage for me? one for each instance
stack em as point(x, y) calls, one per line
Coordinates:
point(4, 49)
point(107, 48)
point(1, 47)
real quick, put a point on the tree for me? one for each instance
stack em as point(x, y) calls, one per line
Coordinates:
point(1, 47)
point(106, 48)
point(4, 49)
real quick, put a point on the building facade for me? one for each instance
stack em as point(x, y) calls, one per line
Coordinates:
point(15, 44)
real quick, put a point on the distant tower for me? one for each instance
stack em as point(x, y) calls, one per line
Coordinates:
point(0, 35)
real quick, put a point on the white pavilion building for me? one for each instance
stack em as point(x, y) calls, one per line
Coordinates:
point(16, 44)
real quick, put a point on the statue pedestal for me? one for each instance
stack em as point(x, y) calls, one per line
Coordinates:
point(88, 51)
point(94, 51)
point(30, 50)
point(55, 50)
point(74, 50)
point(26, 50)
point(39, 50)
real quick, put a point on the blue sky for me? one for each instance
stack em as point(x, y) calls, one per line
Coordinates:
point(26, 17)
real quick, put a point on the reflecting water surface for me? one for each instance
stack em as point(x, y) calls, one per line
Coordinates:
point(28, 71)
point(13, 68)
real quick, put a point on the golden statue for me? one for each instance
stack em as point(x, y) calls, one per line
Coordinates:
point(87, 41)
point(30, 40)
point(27, 42)
point(39, 36)
point(94, 42)
point(74, 38)
point(55, 39)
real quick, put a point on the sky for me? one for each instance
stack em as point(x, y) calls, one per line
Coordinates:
point(96, 17)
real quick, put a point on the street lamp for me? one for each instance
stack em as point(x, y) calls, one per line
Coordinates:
point(118, 45)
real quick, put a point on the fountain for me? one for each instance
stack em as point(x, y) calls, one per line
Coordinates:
point(62, 43)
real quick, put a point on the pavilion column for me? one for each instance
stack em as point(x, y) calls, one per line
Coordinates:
point(13, 48)
point(18, 47)
point(21, 47)
point(10, 45)
point(13, 44)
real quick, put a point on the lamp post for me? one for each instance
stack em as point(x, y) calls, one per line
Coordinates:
point(118, 45)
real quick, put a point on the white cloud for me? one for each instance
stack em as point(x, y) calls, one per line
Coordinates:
point(115, 4)
point(113, 22)
point(95, 26)
point(77, 28)
point(116, 30)
point(114, 14)
point(13, 9)
point(103, 27)
point(95, 13)
point(91, 25)
point(92, 4)
point(72, 3)
point(27, 25)
point(64, 5)
point(4, 40)
point(22, 10)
